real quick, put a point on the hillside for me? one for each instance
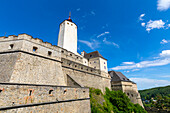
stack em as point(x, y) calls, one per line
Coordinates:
point(153, 92)
point(112, 102)
point(156, 98)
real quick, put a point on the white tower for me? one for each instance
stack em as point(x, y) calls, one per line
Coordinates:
point(67, 37)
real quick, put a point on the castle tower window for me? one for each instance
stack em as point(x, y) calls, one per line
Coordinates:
point(49, 53)
point(104, 62)
point(68, 23)
point(71, 24)
point(104, 67)
point(35, 49)
point(50, 91)
point(11, 46)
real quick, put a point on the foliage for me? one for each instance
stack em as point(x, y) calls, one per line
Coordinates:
point(112, 102)
point(156, 98)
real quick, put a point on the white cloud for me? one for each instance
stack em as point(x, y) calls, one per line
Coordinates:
point(163, 5)
point(145, 83)
point(143, 24)
point(103, 34)
point(164, 41)
point(156, 24)
point(110, 43)
point(78, 9)
point(93, 44)
point(163, 59)
point(165, 53)
point(141, 17)
point(93, 13)
point(127, 62)
point(166, 76)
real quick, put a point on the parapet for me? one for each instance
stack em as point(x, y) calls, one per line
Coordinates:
point(27, 43)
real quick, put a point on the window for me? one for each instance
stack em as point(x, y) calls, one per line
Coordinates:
point(123, 78)
point(95, 67)
point(104, 62)
point(94, 61)
point(68, 23)
point(65, 91)
point(90, 55)
point(49, 53)
point(85, 61)
point(11, 46)
point(35, 49)
point(30, 92)
point(50, 91)
point(90, 62)
point(77, 57)
point(75, 65)
point(71, 24)
point(132, 95)
point(128, 94)
point(81, 67)
point(70, 54)
point(104, 67)
point(62, 51)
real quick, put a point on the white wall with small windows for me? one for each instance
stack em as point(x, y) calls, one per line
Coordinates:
point(103, 65)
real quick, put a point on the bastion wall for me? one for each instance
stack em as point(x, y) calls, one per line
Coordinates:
point(43, 98)
point(30, 60)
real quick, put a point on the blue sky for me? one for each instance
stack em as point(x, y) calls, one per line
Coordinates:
point(134, 35)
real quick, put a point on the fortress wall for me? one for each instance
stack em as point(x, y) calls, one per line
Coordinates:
point(71, 56)
point(43, 98)
point(33, 69)
point(7, 63)
point(85, 76)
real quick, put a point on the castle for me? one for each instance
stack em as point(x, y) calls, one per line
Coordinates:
point(36, 76)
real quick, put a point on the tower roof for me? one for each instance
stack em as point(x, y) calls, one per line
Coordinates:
point(93, 55)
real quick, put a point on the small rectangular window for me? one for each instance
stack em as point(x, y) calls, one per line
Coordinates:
point(11, 46)
point(49, 53)
point(35, 49)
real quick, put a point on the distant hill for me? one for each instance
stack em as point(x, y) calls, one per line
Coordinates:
point(147, 94)
point(156, 100)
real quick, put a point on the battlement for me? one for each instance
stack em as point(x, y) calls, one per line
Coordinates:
point(27, 43)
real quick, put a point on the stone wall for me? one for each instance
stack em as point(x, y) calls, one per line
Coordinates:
point(43, 98)
point(85, 76)
point(130, 89)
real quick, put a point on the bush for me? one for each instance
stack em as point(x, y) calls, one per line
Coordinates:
point(112, 102)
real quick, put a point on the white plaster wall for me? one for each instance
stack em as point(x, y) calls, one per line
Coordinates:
point(68, 36)
point(103, 65)
point(85, 62)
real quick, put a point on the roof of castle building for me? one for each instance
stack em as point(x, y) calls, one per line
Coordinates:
point(93, 55)
point(118, 76)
